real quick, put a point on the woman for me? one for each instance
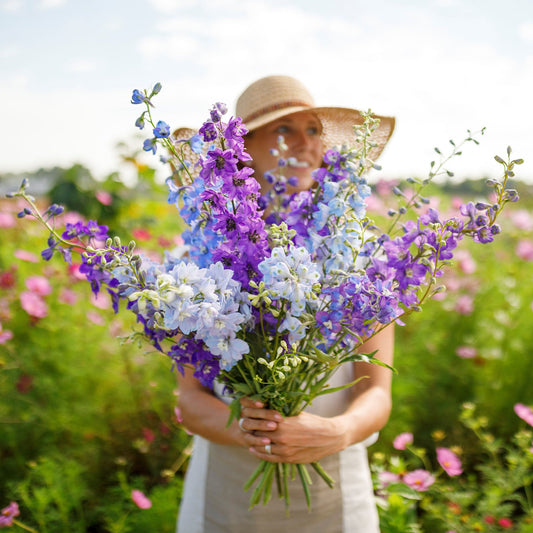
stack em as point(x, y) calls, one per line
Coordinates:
point(338, 426)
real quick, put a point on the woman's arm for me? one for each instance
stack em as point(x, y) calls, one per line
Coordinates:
point(306, 438)
point(206, 415)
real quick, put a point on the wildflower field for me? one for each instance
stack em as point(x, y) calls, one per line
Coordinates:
point(90, 436)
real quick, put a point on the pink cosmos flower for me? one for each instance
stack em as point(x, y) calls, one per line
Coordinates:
point(402, 441)
point(506, 523)
point(7, 514)
point(95, 318)
point(141, 234)
point(464, 305)
point(419, 480)
point(524, 250)
point(449, 461)
point(74, 271)
point(386, 478)
point(524, 412)
point(104, 197)
point(466, 352)
point(33, 304)
point(7, 220)
point(67, 296)
point(24, 255)
point(465, 261)
point(5, 335)
point(522, 219)
point(100, 300)
point(140, 500)
point(39, 285)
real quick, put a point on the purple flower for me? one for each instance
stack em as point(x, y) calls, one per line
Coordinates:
point(137, 97)
point(208, 131)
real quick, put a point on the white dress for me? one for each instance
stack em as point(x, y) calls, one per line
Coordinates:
point(214, 500)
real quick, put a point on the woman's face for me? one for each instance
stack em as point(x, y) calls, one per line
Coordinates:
point(301, 132)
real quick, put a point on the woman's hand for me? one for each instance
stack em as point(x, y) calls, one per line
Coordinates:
point(304, 438)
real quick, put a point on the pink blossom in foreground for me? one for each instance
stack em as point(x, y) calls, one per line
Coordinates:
point(140, 500)
point(39, 285)
point(24, 255)
point(7, 220)
point(449, 461)
point(104, 197)
point(524, 250)
point(464, 305)
point(33, 304)
point(402, 441)
point(7, 514)
point(524, 412)
point(419, 480)
point(466, 352)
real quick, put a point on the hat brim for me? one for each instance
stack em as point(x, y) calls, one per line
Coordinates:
point(337, 126)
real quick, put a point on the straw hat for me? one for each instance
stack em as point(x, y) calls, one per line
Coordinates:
point(274, 97)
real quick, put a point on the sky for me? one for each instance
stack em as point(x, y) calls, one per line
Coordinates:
point(441, 67)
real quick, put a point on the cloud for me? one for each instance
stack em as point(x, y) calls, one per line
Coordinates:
point(82, 65)
point(525, 31)
point(51, 4)
point(12, 6)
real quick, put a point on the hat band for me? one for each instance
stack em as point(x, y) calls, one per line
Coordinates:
point(275, 107)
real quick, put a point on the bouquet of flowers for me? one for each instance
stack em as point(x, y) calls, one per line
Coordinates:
point(272, 306)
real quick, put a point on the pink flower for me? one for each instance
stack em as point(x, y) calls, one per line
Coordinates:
point(8, 513)
point(7, 220)
point(466, 352)
point(148, 435)
point(33, 304)
point(95, 318)
point(179, 417)
point(39, 285)
point(140, 500)
point(522, 219)
point(74, 271)
point(5, 335)
point(67, 296)
point(24, 255)
point(104, 197)
point(465, 261)
point(141, 234)
point(419, 480)
point(386, 478)
point(524, 412)
point(449, 462)
point(524, 250)
point(402, 441)
point(100, 300)
point(464, 305)
point(506, 523)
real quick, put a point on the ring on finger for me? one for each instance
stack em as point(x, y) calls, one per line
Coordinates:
point(268, 449)
point(241, 420)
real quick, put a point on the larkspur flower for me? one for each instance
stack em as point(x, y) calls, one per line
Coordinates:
point(150, 145)
point(162, 130)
